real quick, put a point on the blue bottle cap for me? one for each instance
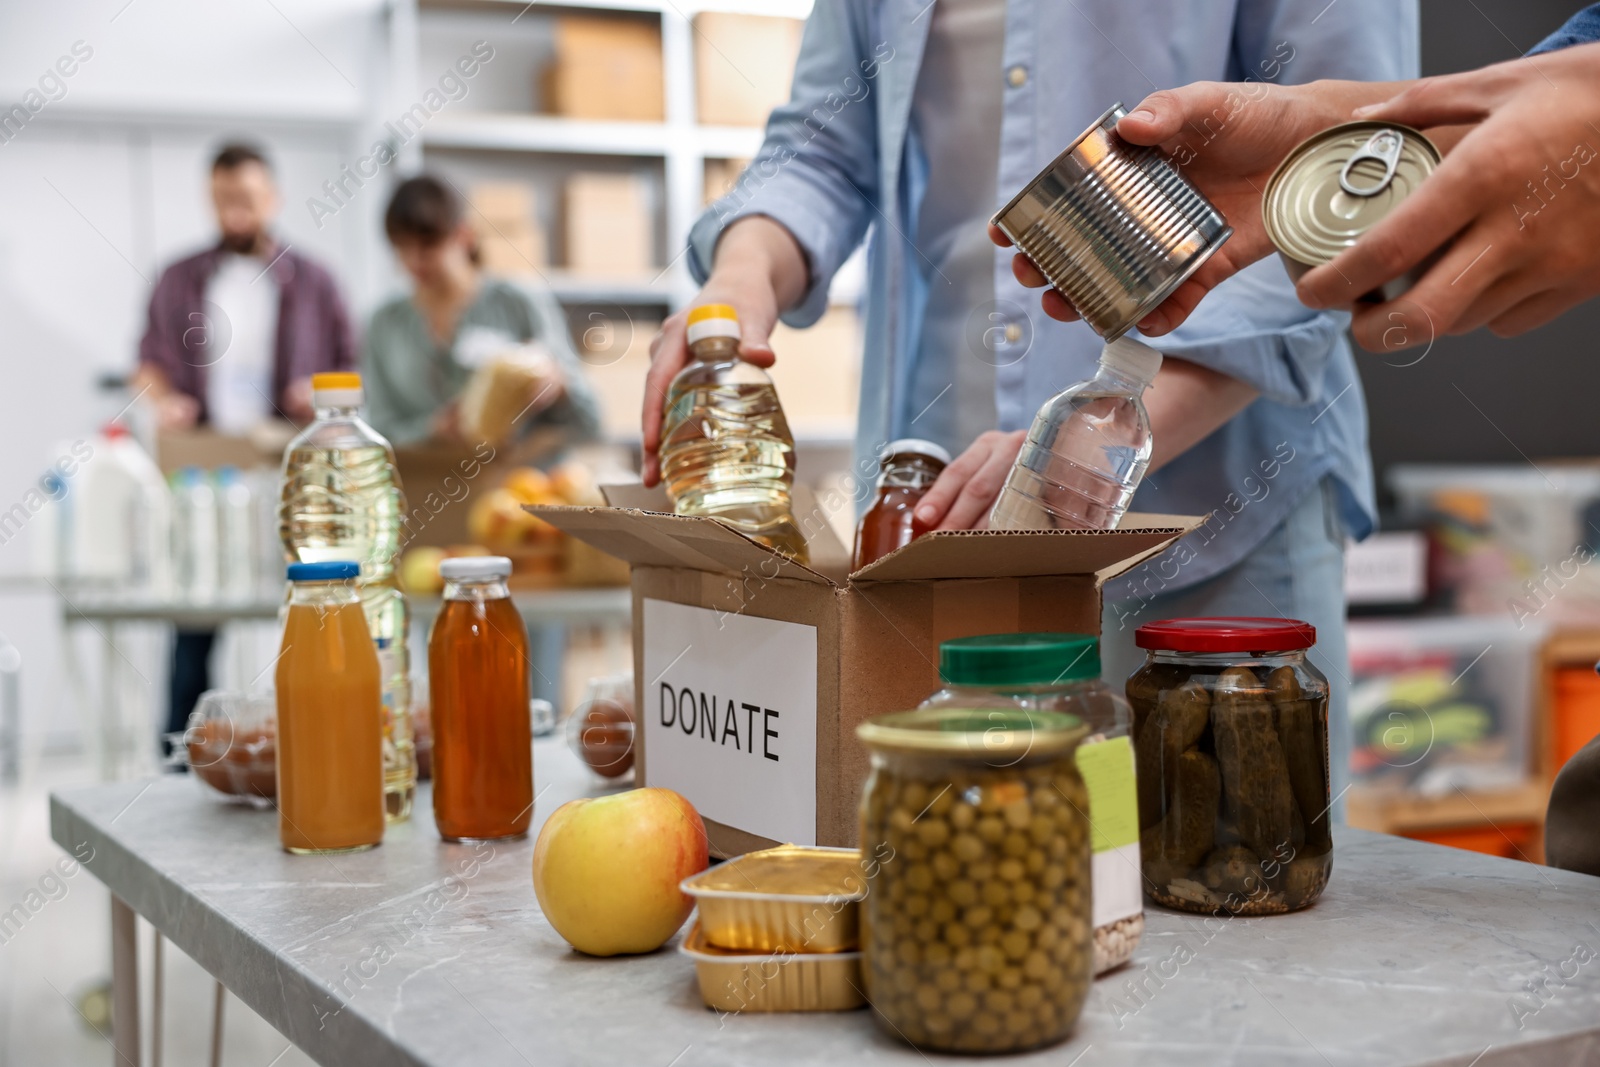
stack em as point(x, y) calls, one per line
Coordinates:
point(330, 571)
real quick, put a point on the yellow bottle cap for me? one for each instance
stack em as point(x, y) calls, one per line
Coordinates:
point(707, 312)
point(343, 380)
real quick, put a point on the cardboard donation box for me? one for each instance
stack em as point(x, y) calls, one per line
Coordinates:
point(753, 671)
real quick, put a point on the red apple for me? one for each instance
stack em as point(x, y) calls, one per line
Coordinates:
point(606, 869)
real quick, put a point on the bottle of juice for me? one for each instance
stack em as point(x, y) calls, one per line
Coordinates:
point(1086, 451)
point(341, 500)
point(726, 449)
point(478, 696)
point(330, 716)
point(907, 470)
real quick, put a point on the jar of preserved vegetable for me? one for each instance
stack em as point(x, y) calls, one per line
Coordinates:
point(1061, 672)
point(1231, 739)
point(976, 926)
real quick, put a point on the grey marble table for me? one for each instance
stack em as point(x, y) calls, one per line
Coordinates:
point(425, 953)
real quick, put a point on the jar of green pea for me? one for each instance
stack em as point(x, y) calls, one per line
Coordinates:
point(977, 925)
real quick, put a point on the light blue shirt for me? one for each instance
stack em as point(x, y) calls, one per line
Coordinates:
point(842, 158)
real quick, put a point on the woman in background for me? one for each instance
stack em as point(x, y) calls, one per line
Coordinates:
point(421, 349)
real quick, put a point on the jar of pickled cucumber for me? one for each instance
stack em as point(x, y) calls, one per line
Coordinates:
point(1061, 672)
point(1231, 739)
point(976, 928)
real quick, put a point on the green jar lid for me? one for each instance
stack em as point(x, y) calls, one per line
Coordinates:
point(1020, 659)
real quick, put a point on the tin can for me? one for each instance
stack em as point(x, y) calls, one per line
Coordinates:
point(1113, 226)
point(1337, 185)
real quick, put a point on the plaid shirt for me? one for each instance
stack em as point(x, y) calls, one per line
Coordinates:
point(313, 332)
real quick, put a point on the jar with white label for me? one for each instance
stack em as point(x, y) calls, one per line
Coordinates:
point(1061, 672)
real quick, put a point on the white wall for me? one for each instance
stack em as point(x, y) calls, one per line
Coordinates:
point(105, 185)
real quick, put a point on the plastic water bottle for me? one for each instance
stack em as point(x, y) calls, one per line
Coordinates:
point(340, 499)
point(1087, 450)
point(195, 534)
point(726, 449)
point(236, 512)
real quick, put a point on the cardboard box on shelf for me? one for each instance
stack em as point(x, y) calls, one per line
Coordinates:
point(818, 373)
point(606, 67)
point(609, 230)
point(616, 357)
point(722, 176)
point(510, 239)
point(743, 66)
point(752, 671)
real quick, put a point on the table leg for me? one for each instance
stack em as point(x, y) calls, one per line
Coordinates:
point(124, 984)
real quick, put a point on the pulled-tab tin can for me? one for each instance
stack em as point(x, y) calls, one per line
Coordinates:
point(1338, 184)
point(1113, 226)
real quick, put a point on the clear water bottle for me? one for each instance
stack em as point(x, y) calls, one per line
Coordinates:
point(195, 534)
point(236, 515)
point(1087, 450)
point(726, 449)
point(340, 499)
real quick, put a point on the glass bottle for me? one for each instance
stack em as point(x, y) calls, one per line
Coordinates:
point(726, 449)
point(341, 499)
point(1231, 734)
point(906, 472)
point(330, 716)
point(478, 702)
point(1086, 451)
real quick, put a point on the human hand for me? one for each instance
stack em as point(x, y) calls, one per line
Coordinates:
point(1517, 201)
point(447, 424)
point(177, 411)
point(1226, 138)
point(964, 492)
point(297, 398)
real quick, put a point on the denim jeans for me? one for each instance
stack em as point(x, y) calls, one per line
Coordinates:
point(1296, 573)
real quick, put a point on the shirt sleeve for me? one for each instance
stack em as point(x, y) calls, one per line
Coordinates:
point(1582, 28)
point(1252, 328)
point(384, 409)
point(160, 348)
point(817, 171)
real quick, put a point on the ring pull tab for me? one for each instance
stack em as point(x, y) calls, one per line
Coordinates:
point(1384, 146)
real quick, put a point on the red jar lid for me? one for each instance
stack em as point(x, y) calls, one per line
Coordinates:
point(1226, 634)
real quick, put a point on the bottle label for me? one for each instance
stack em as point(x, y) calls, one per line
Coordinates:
point(1107, 768)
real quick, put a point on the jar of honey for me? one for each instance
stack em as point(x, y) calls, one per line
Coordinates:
point(906, 472)
point(478, 688)
point(330, 716)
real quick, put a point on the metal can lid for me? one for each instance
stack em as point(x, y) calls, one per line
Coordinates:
point(997, 736)
point(906, 446)
point(475, 568)
point(1338, 184)
point(1226, 634)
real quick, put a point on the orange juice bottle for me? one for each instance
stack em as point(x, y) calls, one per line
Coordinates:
point(330, 716)
point(478, 691)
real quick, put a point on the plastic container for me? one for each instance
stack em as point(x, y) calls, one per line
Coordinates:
point(1061, 673)
point(196, 533)
point(976, 929)
point(785, 899)
point(231, 746)
point(340, 499)
point(1087, 450)
point(482, 759)
point(726, 449)
point(906, 472)
point(601, 728)
point(236, 525)
point(1231, 736)
point(330, 716)
point(732, 980)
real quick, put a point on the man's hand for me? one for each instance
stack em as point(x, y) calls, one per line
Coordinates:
point(446, 426)
point(964, 492)
point(759, 271)
point(1519, 195)
point(297, 399)
point(1226, 138)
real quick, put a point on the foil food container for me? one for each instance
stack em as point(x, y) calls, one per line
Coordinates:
point(786, 899)
point(1113, 226)
point(734, 981)
point(1338, 184)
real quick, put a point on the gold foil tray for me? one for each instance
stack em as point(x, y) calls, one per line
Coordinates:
point(785, 899)
point(780, 981)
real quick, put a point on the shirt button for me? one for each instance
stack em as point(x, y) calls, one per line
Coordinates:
point(1013, 332)
point(1017, 76)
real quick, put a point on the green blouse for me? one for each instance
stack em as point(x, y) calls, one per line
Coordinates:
point(408, 377)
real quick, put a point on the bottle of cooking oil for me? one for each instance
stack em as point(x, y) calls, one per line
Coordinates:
point(341, 500)
point(726, 449)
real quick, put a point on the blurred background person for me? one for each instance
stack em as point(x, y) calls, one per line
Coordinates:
point(233, 335)
point(421, 349)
